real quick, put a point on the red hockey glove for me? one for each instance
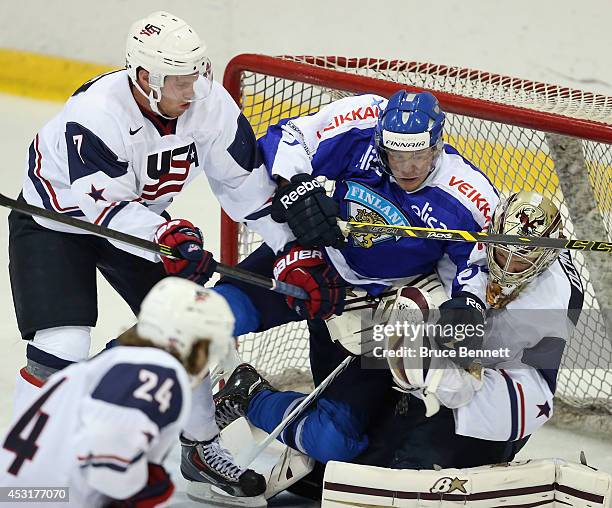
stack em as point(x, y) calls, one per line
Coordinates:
point(158, 489)
point(307, 269)
point(197, 264)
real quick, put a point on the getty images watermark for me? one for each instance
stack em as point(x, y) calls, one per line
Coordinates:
point(447, 333)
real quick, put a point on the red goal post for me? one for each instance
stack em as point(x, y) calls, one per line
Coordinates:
point(522, 134)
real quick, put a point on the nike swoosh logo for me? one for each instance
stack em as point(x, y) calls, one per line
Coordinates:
point(293, 143)
point(132, 132)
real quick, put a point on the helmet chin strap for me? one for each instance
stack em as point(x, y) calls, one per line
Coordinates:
point(153, 101)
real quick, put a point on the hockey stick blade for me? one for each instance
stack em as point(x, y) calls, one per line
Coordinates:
point(146, 245)
point(456, 235)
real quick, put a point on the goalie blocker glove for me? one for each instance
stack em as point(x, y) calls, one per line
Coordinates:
point(309, 211)
point(308, 269)
point(461, 325)
point(196, 263)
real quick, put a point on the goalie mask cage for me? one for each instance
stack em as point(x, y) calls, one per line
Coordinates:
point(522, 134)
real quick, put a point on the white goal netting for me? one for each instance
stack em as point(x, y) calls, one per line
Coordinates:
point(522, 134)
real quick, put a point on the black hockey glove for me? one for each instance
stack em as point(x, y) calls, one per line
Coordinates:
point(461, 327)
point(311, 214)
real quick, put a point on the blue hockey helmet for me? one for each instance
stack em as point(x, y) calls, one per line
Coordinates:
point(411, 122)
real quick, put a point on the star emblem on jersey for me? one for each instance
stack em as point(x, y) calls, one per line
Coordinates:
point(544, 410)
point(96, 194)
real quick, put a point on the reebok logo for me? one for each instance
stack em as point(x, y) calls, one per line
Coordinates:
point(294, 257)
point(304, 188)
point(473, 303)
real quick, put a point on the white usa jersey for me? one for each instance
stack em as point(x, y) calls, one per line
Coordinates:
point(105, 160)
point(516, 397)
point(97, 424)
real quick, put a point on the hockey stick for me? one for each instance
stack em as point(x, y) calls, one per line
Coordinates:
point(297, 411)
point(141, 243)
point(455, 235)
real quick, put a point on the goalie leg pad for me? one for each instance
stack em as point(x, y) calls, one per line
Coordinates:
point(526, 483)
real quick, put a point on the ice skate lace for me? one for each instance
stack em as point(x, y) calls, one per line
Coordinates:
point(226, 413)
point(221, 461)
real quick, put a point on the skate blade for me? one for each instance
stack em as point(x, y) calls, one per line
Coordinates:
point(211, 495)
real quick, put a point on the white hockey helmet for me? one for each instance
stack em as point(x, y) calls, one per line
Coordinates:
point(177, 313)
point(165, 45)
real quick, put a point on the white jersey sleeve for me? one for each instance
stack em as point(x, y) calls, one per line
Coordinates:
point(516, 397)
point(510, 405)
point(237, 174)
point(318, 143)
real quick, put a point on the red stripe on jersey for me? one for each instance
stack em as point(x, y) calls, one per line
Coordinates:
point(521, 410)
point(31, 378)
point(105, 457)
point(46, 183)
point(104, 212)
point(168, 177)
point(165, 190)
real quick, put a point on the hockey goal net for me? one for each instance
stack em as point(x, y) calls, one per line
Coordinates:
point(522, 134)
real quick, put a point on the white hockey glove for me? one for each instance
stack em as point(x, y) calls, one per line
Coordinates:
point(359, 328)
point(412, 357)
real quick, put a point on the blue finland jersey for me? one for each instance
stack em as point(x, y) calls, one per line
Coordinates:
point(338, 143)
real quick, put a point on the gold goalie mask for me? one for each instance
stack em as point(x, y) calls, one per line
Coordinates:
point(511, 267)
